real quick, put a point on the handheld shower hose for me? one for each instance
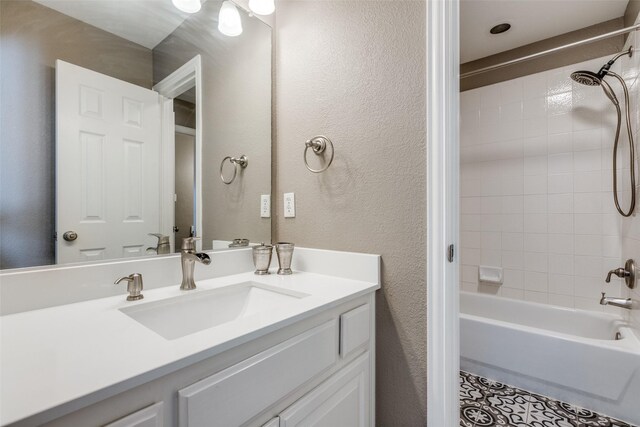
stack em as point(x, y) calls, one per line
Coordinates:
point(590, 78)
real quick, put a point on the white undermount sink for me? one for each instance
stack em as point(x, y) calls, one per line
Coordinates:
point(186, 314)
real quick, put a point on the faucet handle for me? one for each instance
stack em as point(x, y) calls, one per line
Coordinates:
point(189, 243)
point(134, 286)
point(620, 272)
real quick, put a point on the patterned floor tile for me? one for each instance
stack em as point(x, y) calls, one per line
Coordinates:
point(514, 408)
point(484, 402)
point(490, 387)
point(545, 412)
point(479, 414)
point(468, 390)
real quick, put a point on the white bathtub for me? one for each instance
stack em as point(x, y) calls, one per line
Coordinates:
point(566, 354)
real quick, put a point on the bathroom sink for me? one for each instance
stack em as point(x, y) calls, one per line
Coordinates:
point(186, 314)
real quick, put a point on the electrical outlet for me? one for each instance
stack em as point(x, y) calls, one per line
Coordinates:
point(265, 206)
point(289, 205)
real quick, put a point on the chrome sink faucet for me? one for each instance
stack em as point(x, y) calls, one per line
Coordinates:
point(189, 256)
point(626, 303)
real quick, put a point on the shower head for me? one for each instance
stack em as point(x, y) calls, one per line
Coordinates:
point(588, 78)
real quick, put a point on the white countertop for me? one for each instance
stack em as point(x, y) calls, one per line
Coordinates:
point(68, 356)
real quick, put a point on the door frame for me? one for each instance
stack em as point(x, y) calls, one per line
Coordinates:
point(184, 78)
point(443, 168)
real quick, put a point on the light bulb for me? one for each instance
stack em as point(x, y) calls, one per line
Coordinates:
point(189, 6)
point(229, 22)
point(262, 7)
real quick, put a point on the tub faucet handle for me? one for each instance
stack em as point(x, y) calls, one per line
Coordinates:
point(628, 273)
point(620, 272)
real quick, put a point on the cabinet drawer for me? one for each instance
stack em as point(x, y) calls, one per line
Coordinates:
point(235, 395)
point(354, 329)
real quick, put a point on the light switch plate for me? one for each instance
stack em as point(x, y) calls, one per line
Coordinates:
point(289, 205)
point(265, 206)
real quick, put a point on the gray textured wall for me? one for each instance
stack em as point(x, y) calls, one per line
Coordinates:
point(32, 37)
point(237, 117)
point(355, 71)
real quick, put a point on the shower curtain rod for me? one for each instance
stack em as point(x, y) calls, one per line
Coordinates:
point(550, 51)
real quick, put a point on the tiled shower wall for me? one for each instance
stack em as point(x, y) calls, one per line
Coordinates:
point(536, 166)
point(630, 229)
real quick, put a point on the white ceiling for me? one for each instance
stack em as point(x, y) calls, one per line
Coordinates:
point(145, 22)
point(531, 21)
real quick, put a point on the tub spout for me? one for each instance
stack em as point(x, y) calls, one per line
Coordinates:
point(626, 303)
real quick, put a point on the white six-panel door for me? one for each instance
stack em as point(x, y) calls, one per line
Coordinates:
point(108, 157)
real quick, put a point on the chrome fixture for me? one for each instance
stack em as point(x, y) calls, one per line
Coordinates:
point(318, 144)
point(239, 243)
point(262, 258)
point(189, 256)
point(134, 286)
point(590, 78)
point(500, 28)
point(241, 161)
point(284, 250)
point(626, 303)
point(628, 273)
point(163, 246)
point(550, 51)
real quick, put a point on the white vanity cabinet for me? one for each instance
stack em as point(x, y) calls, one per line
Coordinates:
point(317, 371)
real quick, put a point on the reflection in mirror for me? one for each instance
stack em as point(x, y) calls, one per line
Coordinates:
point(94, 164)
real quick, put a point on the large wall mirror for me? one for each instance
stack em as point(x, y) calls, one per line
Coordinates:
point(115, 119)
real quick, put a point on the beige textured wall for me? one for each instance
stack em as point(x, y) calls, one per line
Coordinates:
point(236, 116)
point(566, 57)
point(32, 37)
point(355, 72)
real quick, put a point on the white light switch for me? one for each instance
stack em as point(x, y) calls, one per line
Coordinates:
point(289, 205)
point(265, 206)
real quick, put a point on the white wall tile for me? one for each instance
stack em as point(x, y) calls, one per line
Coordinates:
point(560, 183)
point(560, 244)
point(535, 223)
point(560, 203)
point(536, 186)
point(560, 163)
point(534, 281)
point(534, 242)
point(560, 223)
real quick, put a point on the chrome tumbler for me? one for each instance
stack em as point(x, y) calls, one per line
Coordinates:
point(284, 250)
point(262, 258)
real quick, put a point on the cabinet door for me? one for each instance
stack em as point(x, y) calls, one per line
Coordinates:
point(151, 416)
point(341, 401)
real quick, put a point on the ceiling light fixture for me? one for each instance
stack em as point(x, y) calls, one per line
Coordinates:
point(500, 28)
point(262, 7)
point(229, 22)
point(188, 6)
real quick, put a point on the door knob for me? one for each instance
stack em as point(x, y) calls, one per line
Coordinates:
point(70, 236)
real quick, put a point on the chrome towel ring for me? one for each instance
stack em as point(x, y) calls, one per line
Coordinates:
point(241, 161)
point(318, 144)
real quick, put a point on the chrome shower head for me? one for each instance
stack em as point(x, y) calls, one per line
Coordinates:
point(588, 78)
